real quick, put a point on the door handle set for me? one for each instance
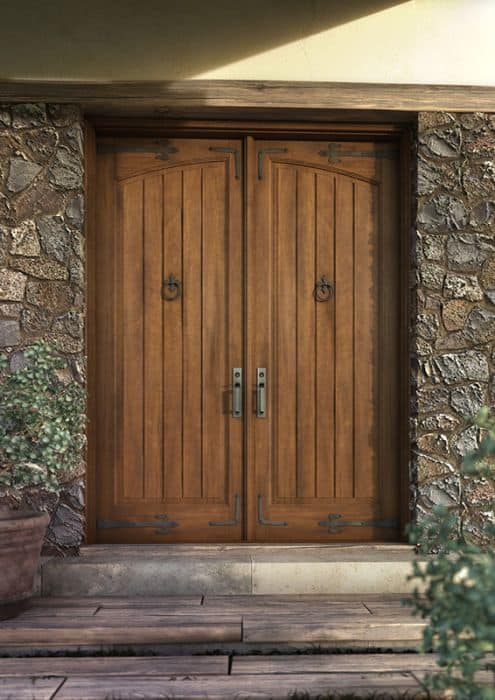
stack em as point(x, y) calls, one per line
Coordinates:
point(261, 392)
point(237, 392)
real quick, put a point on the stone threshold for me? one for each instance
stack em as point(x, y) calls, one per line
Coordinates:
point(223, 569)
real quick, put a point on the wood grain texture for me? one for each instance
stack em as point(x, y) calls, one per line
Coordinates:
point(197, 94)
point(116, 602)
point(160, 630)
point(29, 688)
point(313, 209)
point(172, 449)
point(274, 687)
point(334, 663)
point(90, 330)
point(282, 604)
point(319, 209)
point(376, 629)
point(116, 665)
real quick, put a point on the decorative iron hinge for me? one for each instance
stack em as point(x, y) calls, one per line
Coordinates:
point(237, 515)
point(162, 148)
point(335, 152)
point(237, 157)
point(262, 153)
point(262, 520)
point(335, 525)
point(162, 527)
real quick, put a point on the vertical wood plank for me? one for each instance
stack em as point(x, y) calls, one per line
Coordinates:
point(389, 341)
point(324, 340)
point(132, 333)
point(108, 393)
point(90, 227)
point(285, 330)
point(305, 333)
point(172, 336)
point(365, 351)
point(344, 339)
point(193, 319)
point(153, 338)
point(215, 332)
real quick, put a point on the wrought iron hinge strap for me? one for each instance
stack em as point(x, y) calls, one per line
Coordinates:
point(237, 157)
point(162, 148)
point(237, 515)
point(263, 521)
point(334, 153)
point(335, 525)
point(262, 153)
point(162, 527)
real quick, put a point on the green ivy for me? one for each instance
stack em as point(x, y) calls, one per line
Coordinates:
point(458, 597)
point(42, 420)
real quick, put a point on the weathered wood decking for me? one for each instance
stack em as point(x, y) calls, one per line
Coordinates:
point(231, 626)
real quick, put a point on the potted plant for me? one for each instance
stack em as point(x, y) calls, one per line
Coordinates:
point(42, 421)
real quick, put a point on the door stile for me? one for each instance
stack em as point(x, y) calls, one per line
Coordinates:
point(257, 303)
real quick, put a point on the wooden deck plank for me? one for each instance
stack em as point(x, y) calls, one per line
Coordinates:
point(115, 665)
point(200, 613)
point(42, 612)
point(333, 663)
point(269, 600)
point(371, 628)
point(138, 620)
point(274, 687)
point(117, 602)
point(281, 606)
point(29, 688)
point(389, 609)
point(158, 630)
point(227, 613)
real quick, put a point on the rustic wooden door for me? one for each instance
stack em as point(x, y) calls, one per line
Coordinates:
point(168, 333)
point(247, 341)
point(323, 291)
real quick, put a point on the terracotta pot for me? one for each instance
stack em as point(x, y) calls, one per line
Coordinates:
point(21, 537)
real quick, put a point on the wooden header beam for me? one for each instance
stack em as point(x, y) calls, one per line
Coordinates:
point(154, 98)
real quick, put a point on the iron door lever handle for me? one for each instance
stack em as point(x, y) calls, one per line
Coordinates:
point(261, 392)
point(237, 392)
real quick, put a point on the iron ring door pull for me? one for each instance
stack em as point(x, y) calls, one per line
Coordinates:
point(171, 289)
point(323, 290)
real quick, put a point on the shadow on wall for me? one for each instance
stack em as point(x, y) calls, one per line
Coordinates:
point(55, 39)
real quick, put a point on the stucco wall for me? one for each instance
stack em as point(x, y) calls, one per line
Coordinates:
point(42, 284)
point(414, 41)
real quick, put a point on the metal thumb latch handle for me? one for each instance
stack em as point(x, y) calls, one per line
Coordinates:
point(237, 392)
point(261, 392)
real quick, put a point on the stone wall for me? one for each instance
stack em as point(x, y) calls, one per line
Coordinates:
point(42, 285)
point(454, 323)
point(42, 262)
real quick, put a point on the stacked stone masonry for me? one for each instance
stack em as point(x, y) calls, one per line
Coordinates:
point(454, 316)
point(42, 288)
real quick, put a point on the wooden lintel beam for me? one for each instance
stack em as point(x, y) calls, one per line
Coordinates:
point(162, 97)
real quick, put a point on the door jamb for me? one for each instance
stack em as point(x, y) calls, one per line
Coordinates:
point(398, 130)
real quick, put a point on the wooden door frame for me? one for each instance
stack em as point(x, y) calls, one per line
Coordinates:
point(399, 127)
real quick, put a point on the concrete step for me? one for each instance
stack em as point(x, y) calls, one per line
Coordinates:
point(151, 570)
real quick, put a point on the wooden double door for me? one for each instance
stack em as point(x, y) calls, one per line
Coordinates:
point(246, 341)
